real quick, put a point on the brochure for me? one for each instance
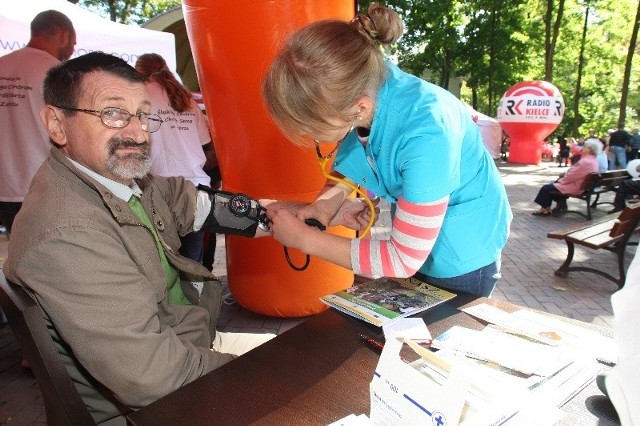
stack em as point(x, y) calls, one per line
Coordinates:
point(384, 300)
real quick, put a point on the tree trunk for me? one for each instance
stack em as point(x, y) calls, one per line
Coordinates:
point(576, 94)
point(495, 22)
point(551, 37)
point(627, 71)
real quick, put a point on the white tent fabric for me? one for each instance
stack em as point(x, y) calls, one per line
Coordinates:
point(491, 131)
point(92, 32)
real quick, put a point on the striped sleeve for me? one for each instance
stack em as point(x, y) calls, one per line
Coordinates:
point(414, 230)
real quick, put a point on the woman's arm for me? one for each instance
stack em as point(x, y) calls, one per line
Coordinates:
point(414, 231)
point(328, 202)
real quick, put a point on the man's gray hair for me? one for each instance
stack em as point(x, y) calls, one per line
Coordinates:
point(595, 146)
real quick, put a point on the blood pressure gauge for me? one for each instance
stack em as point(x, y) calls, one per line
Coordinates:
point(240, 205)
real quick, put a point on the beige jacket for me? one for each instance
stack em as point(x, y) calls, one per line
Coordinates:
point(95, 271)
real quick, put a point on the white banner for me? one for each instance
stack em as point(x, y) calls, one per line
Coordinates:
point(92, 32)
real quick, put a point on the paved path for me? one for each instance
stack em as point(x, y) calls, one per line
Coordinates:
point(529, 260)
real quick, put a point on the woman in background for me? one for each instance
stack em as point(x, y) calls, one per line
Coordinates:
point(569, 183)
point(182, 146)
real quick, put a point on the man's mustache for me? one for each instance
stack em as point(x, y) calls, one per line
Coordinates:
point(116, 144)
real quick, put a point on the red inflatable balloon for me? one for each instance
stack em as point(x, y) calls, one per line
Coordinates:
point(528, 112)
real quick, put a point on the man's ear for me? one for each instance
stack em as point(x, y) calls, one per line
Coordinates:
point(55, 128)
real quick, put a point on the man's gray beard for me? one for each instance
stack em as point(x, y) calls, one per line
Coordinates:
point(130, 167)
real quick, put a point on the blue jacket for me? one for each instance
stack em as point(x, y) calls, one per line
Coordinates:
point(424, 146)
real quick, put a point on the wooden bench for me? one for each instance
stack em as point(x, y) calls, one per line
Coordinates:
point(611, 232)
point(596, 184)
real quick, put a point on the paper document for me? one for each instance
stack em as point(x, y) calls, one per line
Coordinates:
point(505, 349)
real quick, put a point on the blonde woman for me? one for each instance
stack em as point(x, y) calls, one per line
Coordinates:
point(402, 138)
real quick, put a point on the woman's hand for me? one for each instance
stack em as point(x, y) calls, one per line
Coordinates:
point(289, 230)
point(355, 214)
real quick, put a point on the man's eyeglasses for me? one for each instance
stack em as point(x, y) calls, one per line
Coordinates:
point(117, 118)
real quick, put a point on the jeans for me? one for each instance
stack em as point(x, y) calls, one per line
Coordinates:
point(618, 153)
point(480, 282)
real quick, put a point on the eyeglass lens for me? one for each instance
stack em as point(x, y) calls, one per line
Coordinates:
point(118, 118)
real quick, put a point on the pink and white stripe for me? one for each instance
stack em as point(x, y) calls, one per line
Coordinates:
point(414, 231)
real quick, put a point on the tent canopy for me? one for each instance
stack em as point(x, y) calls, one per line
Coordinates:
point(92, 32)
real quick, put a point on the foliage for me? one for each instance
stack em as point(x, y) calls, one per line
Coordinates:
point(493, 44)
point(129, 11)
point(494, 50)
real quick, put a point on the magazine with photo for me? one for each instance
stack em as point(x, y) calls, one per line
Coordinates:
point(384, 300)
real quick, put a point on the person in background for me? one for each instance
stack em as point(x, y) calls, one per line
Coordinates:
point(618, 143)
point(635, 145)
point(564, 151)
point(96, 244)
point(504, 147)
point(569, 183)
point(400, 137)
point(575, 149)
point(626, 188)
point(603, 162)
point(24, 142)
point(182, 146)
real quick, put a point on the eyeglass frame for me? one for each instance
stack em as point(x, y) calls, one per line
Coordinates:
point(139, 114)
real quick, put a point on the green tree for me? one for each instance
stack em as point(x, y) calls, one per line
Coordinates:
point(431, 43)
point(493, 45)
point(129, 11)
point(576, 94)
point(493, 50)
point(627, 70)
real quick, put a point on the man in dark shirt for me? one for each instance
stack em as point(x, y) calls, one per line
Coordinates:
point(618, 144)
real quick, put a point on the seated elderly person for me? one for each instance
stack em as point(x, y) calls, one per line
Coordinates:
point(568, 184)
point(96, 244)
point(626, 188)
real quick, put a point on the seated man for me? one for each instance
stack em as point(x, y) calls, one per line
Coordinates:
point(570, 183)
point(626, 188)
point(96, 243)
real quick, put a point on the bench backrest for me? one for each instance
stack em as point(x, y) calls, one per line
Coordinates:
point(627, 222)
point(610, 178)
point(63, 403)
point(613, 177)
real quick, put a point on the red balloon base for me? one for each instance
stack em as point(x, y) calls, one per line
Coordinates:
point(525, 151)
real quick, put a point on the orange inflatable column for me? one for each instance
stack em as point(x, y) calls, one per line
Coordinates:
point(233, 43)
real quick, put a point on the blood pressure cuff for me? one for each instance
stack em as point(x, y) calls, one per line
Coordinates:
point(235, 214)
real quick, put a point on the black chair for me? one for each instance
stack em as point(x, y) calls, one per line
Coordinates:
point(63, 403)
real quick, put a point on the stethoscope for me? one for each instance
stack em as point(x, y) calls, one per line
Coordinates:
point(322, 161)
